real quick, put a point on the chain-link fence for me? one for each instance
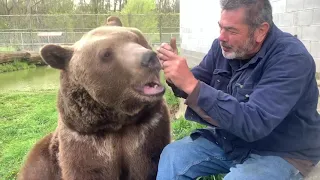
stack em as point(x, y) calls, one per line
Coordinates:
point(30, 32)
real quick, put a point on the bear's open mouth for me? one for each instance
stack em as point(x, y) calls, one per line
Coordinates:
point(151, 88)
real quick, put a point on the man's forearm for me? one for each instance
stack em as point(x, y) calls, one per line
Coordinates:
point(191, 101)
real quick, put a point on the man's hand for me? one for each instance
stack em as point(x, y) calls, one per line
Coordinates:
point(175, 67)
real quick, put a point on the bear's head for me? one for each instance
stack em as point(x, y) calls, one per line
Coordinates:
point(114, 65)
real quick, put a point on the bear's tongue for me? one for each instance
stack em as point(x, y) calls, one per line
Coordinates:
point(152, 88)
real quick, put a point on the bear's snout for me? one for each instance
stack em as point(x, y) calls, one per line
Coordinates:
point(150, 60)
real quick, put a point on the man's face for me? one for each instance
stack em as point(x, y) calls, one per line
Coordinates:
point(235, 38)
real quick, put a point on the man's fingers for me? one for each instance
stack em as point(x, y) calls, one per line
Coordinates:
point(165, 52)
point(166, 64)
point(173, 44)
point(166, 46)
point(162, 57)
point(166, 73)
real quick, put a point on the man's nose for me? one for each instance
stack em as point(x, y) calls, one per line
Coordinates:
point(150, 60)
point(223, 36)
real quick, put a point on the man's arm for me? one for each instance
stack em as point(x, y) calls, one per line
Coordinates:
point(281, 85)
point(202, 72)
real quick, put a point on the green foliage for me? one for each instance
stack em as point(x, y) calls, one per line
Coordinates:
point(15, 66)
point(25, 117)
point(36, 7)
point(182, 127)
point(145, 17)
point(75, 20)
point(60, 7)
point(139, 7)
point(171, 100)
point(218, 177)
point(7, 49)
point(3, 25)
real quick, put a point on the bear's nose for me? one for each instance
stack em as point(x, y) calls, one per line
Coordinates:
point(150, 60)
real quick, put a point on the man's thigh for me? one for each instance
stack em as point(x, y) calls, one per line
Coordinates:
point(263, 167)
point(190, 158)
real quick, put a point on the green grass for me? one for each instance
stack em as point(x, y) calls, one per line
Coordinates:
point(7, 48)
point(181, 127)
point(218, 177)
point(15, 66)
point(25, 117)
point(171, 100)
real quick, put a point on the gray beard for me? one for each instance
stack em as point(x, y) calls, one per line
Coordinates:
point(240, 53)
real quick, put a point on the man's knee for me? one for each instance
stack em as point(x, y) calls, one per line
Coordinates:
point(263, 167)
point(190, 158)
point(175, 149)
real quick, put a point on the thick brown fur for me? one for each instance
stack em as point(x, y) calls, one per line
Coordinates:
point(107, 129)
point(113, 21)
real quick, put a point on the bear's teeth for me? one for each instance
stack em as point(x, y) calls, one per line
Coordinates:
point(155, 86)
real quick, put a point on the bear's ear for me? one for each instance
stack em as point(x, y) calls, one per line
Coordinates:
point(142, 39)
point(56, 56)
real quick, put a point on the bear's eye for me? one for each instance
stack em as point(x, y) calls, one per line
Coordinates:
point(105, 54)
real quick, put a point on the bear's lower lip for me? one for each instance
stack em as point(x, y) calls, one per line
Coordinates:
point(153, 90)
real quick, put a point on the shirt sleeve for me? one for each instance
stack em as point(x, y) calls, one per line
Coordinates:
point(283, 81)
point(191, 101)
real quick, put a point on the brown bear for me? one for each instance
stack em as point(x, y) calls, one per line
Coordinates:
point(113, 122)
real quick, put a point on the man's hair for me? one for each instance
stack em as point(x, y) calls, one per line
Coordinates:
point(257, 11)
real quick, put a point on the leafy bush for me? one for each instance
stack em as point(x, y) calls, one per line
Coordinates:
point(15, 66)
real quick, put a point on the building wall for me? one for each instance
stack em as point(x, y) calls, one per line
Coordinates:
point(301, 18)
point(298, 17)
point(198, 27)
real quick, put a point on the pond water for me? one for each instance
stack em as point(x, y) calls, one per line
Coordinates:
point(40, 78)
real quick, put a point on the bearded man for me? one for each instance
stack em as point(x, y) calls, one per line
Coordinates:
point(256, 91)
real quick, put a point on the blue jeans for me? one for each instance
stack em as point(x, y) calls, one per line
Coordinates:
point(189, 159)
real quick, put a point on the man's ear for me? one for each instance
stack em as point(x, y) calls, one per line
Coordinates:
point(56, 56)
point(261, 32)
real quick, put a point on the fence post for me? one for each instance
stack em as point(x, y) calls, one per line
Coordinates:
point(129, 20)
point(65, 31)
point(21, 36)
point(31, 46)
point(160, 27)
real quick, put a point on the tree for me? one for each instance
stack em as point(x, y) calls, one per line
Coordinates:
point(168, 6)
point(35, 6)
point(115, 5)
point(108, 5)
point(6, 7)
point(145, 17)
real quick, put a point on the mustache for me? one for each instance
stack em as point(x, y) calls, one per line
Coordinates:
point(226, 45)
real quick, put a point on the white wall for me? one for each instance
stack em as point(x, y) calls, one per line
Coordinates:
point(301, 18)
point(198, 24)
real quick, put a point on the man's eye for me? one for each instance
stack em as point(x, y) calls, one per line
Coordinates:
point(233, 33)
